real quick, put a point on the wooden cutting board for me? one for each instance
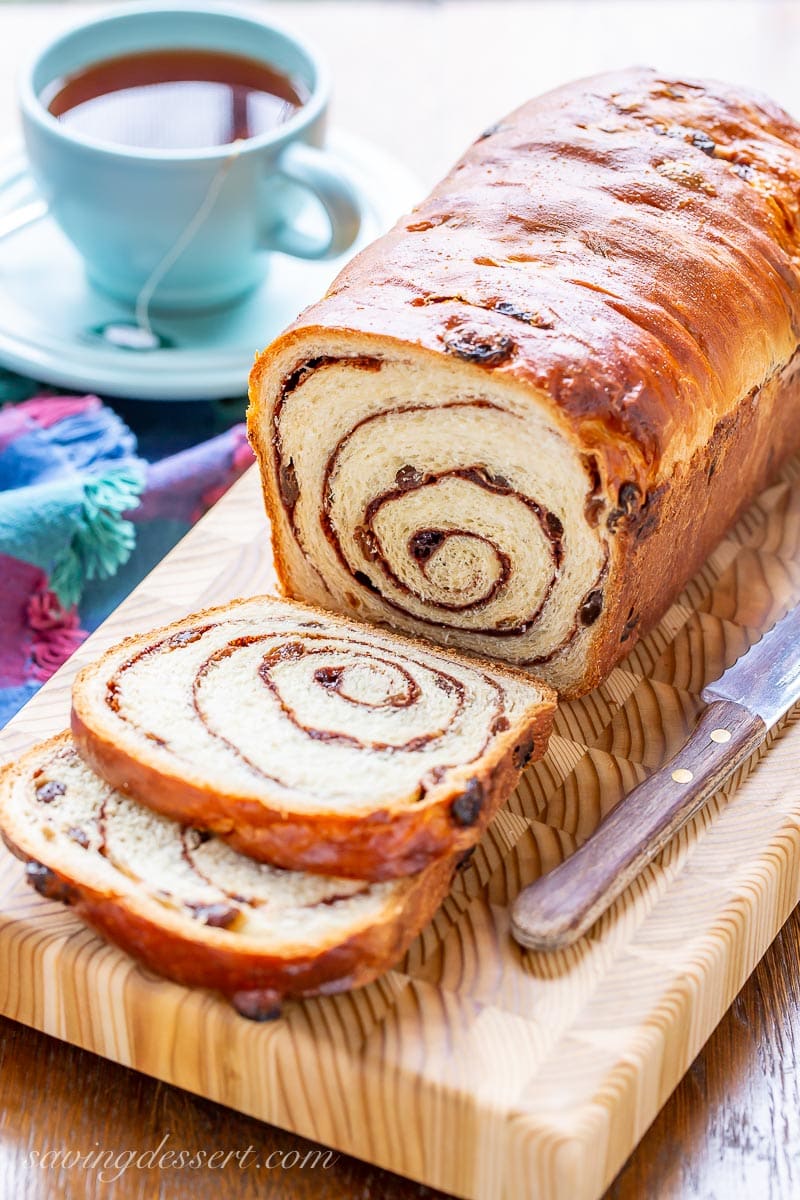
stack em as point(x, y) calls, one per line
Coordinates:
point(476, 1067)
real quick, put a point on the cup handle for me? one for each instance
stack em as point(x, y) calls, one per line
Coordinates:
point(315, 171)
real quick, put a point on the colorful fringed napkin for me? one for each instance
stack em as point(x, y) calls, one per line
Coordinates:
point(83, 516)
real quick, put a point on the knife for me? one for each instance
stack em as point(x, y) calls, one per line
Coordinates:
point(743, 704)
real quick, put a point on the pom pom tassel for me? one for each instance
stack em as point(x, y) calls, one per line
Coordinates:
point(103, 539)
point(56, 633)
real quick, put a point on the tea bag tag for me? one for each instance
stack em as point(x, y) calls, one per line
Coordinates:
point(145, 297)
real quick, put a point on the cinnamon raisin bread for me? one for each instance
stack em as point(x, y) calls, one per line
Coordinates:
point(310, 741)
point(191, 908)
point(519, 422)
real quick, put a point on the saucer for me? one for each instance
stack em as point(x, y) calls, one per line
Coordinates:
point(56, 328)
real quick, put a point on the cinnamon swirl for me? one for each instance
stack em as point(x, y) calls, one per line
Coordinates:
point(309, 741)
point(188, 906)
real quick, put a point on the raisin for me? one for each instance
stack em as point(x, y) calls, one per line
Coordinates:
point(512, 310)
point(498, 481)
point(523, 753)
point(628, 498)
point(537, 319)
point(47, 792)
point(407, 478)
point(466, 808)
point(591, 608)
point(329, 677)
point(262, 1004)
point(554, 525)
point(48, 884)
point(219, 916)
point(485, 346)
point(703, 142)
point(422, 544)
point(289, 487)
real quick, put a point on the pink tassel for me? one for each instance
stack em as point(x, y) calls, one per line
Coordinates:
point(49, 410)
point(57, 633)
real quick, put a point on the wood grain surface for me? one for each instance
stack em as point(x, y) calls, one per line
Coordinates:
point(730, 1129)
point(476, 1067)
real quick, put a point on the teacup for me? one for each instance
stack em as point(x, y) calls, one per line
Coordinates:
point(193, 226)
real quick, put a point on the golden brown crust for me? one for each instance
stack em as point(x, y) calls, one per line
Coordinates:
point(672, 285)
point(189, 961)
point(635, 243)
point(384, 844)
point(199, 956)
point(704, 499)
point(381, 845)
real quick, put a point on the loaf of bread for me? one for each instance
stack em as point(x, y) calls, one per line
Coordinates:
point(309, 741)
point(188, 906)
point(519, 422)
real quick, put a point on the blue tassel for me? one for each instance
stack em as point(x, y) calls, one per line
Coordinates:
point(103, 539)
point(93, 436)
point(77, 442)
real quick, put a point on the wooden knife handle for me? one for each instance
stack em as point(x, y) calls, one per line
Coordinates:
point(561, 906)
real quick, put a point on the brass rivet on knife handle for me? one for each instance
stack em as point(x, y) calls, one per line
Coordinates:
point(561, 906)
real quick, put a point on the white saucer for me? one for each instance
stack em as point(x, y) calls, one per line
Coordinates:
point(48, 311)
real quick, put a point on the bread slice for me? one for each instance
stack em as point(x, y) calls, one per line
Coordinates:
point(190, 907)
point(311, 741)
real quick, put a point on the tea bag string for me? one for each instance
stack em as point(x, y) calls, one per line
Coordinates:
point(145, 296)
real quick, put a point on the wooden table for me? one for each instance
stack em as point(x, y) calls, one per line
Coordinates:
point(423, 78)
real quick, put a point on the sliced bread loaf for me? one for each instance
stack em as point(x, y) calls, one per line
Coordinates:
point(311, 741)
point(190, 907)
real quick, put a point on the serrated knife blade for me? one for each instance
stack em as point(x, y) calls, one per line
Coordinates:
point(766, 679)
point(741, 706)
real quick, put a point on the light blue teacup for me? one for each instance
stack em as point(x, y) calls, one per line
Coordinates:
point(127, 210)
